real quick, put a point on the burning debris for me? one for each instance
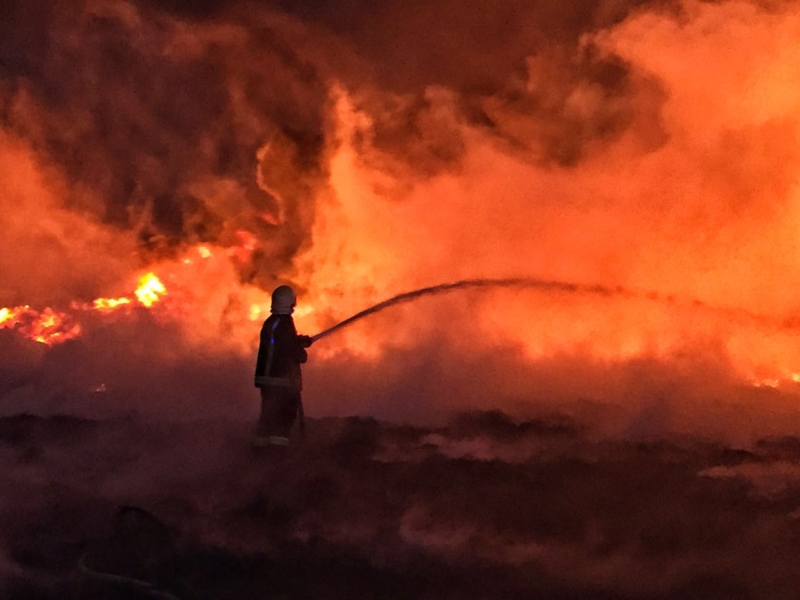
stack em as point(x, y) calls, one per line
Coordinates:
point(52, 327)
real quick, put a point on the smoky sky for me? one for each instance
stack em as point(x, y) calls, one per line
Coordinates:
point(179, 123)
point(143, 103)
point(139, 122)
point(360, 150)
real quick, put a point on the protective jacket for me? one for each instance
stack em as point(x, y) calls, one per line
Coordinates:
point(280, 354)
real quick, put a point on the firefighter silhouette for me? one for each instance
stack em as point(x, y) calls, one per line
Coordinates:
point(278, 375)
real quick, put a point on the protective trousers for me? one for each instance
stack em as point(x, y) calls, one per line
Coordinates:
point(279, 407)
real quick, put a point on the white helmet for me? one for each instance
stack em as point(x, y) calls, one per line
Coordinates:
point(283, 300)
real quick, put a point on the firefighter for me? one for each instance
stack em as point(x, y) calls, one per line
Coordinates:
point(280, 354)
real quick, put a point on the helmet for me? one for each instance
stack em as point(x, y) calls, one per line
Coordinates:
point(283, 300)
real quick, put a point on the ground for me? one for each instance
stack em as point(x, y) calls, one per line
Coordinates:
point(485, 507)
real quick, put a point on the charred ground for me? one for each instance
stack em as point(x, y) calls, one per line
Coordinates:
point(485, 507)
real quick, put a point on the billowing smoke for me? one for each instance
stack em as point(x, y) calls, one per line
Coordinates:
point(172, 132)
point(358, 151)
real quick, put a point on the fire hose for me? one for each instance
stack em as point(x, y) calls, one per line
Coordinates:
point(444, 288)
point(518, 282)
point(542, 285)
point(563, 287)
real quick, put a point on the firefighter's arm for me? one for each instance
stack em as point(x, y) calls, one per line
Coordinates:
point(300, 346)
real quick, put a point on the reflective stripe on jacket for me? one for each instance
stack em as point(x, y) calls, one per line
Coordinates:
point(280, 354)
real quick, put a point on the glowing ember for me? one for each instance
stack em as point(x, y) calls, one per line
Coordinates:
point(51, 326)
point(108, 304)
point(150, 290)
point(6, 314)
point(255, 312)
point(48, 327)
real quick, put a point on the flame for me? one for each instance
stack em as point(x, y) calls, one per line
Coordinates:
point(46, 327)
point(6, 314)
point(109, 304)
point(150, 290)
point(51, 326)
point(201, 288)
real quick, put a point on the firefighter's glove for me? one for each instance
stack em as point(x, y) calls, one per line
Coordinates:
point(305, 340)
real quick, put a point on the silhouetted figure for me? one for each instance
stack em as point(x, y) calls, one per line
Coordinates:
point(280, 354)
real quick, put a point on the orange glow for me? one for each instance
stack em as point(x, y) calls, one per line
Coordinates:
point(256, 312)
point(270, 219)
point(593, 225)
point(53, 327)
point(47, 327)
point(604, 161)
point(50, 327)
point(247, 245)
point(12, 316)
point(7, 314)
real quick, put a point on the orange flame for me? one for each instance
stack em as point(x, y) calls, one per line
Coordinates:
point(7, 314)
point(52, 327)
point(47, 327)
point(109, 304)
point(150, 290)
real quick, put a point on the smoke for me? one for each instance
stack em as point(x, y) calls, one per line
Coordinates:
point(168, 123)
point(43, 242)
point(360, 151)
point(669, 200)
